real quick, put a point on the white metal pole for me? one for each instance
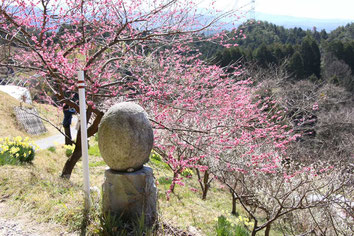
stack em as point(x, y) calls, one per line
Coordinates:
point(83, 123)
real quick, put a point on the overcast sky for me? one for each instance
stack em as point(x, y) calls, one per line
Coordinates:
point(320, 9)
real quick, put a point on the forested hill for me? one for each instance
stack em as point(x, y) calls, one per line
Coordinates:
point(309, 73)
point(311, 53)
point(343, 33)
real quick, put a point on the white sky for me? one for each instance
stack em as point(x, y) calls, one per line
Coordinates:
point(321, 9)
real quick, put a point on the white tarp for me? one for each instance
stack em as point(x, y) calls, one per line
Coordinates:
point(20, 93)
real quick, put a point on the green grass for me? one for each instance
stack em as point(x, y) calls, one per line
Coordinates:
point(97, 163)
point(165, 180)
point(94, 150)
point(159, 164)
point(7, 159)
point(52, 149)
point(38, 189)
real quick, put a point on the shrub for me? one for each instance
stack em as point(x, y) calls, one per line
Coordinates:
point(69, 149)
point(187, 173)
point(52, 149)
point(16, 151)
point(155, 156)
point(241, 231)
point(225, 228)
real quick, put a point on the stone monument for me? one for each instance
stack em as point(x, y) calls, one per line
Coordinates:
point(125, 140)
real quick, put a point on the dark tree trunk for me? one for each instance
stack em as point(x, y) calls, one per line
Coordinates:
point(75, 157)
point(233, 212)
point(267, 230)
point(205, 192)
point(204, 184)
point(200, 180)
point(255, 227)
point(173, 184)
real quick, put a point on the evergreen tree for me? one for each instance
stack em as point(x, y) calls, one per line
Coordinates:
point(264, 56)
point(226, 58)
point(343, 51)
point(324, 34)
point(316, 61)
point(316, 35)
point(337, 48)
point(348, 54)
point(236, 54)
point(296, 66)
point(288, 50)
point(279, 52)
point(311, 56)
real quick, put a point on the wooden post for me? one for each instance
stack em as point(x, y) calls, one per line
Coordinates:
point(83, 123)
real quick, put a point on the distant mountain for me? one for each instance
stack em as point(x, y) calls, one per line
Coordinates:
point(304, 23)
point(287, 22)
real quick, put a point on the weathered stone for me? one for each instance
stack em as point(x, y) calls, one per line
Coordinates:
point(125, 137)
point(130, 195)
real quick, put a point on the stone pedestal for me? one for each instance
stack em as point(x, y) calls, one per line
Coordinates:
point(130, 195)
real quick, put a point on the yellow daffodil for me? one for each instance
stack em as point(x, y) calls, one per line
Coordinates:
point(13, 150)
point(18, 139)
point(18, 146)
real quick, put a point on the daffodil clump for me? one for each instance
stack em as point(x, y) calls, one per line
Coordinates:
point(225, 227)
point(69, 149)
point(16, 150)
point(245, 221)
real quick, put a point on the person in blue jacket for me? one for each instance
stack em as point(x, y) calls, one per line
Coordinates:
point(68, 115)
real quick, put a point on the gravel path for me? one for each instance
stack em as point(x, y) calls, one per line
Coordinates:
point(10, 227)
point(56, 139)
point(24, 225)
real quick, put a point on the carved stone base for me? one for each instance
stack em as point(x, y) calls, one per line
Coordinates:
point(130, 195)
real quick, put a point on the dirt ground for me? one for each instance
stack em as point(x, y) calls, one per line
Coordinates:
point(22, 224)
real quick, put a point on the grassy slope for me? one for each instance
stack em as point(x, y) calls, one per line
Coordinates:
point(38, 189)
point(9, 126)
point(185, 208)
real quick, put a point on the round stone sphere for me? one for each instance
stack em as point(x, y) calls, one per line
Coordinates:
point(125, 137)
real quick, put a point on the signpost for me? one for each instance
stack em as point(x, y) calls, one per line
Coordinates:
point(83, 123)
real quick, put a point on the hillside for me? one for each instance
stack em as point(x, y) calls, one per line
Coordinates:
point(304, 54)
point(9, 127)
point(252, 133)
point(304, 23)
point(38, 191)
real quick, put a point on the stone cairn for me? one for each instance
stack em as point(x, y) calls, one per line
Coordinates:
point(125, 140)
